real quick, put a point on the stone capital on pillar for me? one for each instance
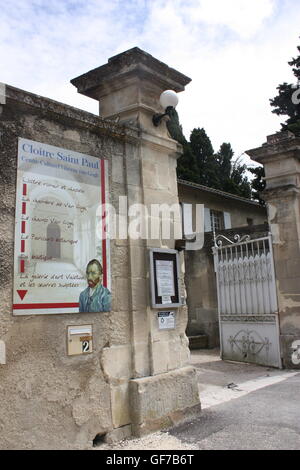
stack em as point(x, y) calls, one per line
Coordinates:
point(128, 87)
point(280, 156)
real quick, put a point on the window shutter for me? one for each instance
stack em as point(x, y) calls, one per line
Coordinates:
point(187, 218)
point(207, 221)
point(227, 220)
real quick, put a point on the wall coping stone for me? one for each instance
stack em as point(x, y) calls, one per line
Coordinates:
point(76, 115)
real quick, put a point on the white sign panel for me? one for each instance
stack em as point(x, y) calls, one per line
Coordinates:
point(61, 260)
point(165, 279)
point(166, 320)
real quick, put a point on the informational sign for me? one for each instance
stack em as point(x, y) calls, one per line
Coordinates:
point(61, 258)
point(166, 320)
point(164, 276)
point(165, 280)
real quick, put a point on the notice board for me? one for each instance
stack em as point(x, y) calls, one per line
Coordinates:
point(164, 278)
point(60, 227)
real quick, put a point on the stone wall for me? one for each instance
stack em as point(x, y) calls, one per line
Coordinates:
point(54, 401)
point(41, 387)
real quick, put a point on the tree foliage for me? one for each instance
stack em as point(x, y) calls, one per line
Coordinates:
point(286, 103)
point(220, 170)
point(200, 164)
point(258, 183)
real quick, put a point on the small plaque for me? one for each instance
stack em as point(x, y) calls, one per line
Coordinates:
point(80, 340)
point(166, 320)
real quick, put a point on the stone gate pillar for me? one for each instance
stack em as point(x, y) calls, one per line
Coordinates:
point(162, 387)
point(280, 156)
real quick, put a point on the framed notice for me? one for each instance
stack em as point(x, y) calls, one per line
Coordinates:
point(164, 276)
point(61, 255)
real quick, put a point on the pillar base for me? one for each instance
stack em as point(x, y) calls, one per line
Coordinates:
point(161, 401)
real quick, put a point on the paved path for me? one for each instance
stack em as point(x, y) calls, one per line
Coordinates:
point(244, 406)
point(220, 381)
point(265, 419)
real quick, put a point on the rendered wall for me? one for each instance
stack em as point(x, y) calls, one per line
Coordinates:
point(49, 399)
point(239, 210)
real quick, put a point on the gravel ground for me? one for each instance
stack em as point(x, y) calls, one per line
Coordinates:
point(156, 441)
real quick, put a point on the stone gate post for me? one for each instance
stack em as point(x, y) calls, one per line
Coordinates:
point(162, 388)
point(280, 156)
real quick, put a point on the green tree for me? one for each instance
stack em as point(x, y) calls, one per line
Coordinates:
point(186, 164)
point(224, 157)
point(232, 173)
point(284, 104)
point(238, 182)
point(199, 163)
point(258, 183)
point(201, 147)
point(207, 164)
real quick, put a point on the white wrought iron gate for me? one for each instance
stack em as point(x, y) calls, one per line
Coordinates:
point(247, 300)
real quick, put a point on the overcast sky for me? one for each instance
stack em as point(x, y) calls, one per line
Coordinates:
point(235, 52)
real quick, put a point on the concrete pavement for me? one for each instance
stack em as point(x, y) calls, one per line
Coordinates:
point(220, 381)
point(244, 406)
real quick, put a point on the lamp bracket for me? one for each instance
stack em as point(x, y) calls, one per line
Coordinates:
point(158, 117)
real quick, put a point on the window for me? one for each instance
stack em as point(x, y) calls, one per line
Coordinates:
point(217, 220)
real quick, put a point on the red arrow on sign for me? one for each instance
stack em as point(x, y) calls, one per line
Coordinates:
point(22, 293)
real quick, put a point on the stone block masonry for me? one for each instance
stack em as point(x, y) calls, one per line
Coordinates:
point(280, 156)
point(51, 400)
